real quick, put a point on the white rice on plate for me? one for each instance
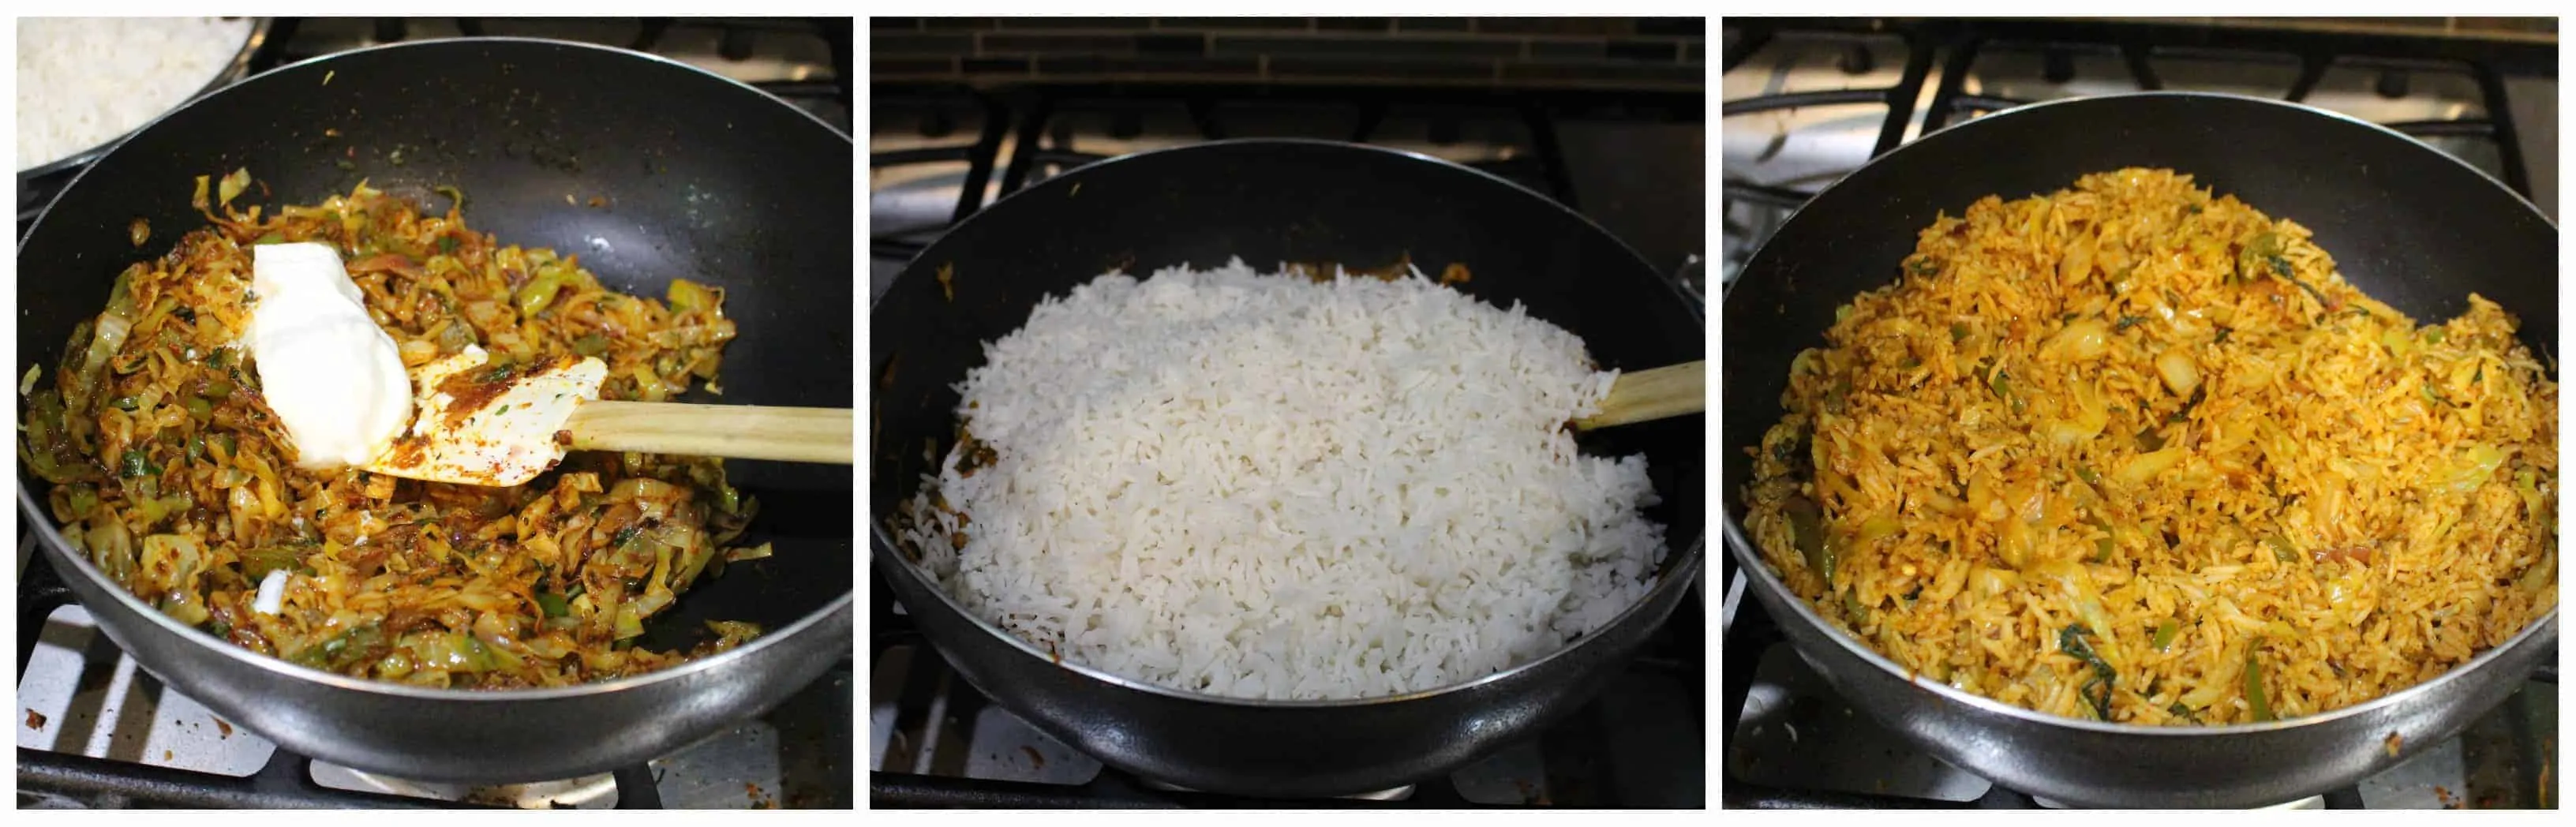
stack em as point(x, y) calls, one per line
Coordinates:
point(85, 81)
point(1262, 486)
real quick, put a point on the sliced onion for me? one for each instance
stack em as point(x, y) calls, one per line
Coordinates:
point(2179, 371)
point(2146, 466)
point(113, 327)
point(2470, 471)
point(2082, 339)
point(272, 593)
point(1991, 581)
point(2091, 416)
point(2078, 263)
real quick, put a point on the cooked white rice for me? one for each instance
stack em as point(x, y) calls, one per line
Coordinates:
point(84, 81)
point(1262, 486)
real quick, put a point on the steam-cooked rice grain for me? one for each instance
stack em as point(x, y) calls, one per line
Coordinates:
point(2134, 451)
point(85, 81)
point(1263, 486)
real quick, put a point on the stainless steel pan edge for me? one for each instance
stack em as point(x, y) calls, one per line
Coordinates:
point(433, 735)
point(2090, 763)
point(442, 735)
point(1290, 749)
point(233, 71)
point(1132, 211)
point(2094, 764)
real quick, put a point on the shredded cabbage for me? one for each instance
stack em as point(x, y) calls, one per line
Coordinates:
point(154, 426)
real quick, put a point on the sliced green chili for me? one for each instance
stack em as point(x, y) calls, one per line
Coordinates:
point(2166, 630)
point(135, 464)
point(2254, 681)
point(1806, 521)
point(2281, 548)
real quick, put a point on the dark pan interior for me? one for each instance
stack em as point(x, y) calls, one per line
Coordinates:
point(2405, 223)
point(694, 176)
point(1270, 202)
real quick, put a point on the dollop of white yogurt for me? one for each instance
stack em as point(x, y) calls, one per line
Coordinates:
point(325, 367)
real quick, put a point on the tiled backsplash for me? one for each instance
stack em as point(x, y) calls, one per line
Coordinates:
point(1525, 52)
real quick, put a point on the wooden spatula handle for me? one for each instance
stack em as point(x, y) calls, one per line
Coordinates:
point(737, 431)
point(1673, 390)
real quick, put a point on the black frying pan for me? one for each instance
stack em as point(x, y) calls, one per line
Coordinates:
point(2405, 223)
point(694, 176)
point(1270, 202)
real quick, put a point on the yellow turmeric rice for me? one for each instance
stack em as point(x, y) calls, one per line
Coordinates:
point(2135, 452)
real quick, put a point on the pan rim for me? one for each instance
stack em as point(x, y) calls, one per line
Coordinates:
point(1698, 309)
point(1749, 556)
point(223, 79)
point(2490, 180)
point(1684, 574)
point(103, 154)
point(52, 537)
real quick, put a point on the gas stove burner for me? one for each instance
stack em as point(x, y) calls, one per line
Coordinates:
point(1403, 793)
point(589, 792)
point(98, 732)
point(936, 742)
point(1795, 744)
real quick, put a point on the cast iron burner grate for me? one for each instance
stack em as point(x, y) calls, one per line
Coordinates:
point(1029, 133)
point(807, 736)
point(1039, 127)
point(824, 89)
point(285, 782)
point(1751, 633)
point(2138, 45)
point(1590, 758)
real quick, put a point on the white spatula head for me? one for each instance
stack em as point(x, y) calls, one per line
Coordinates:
point(483, 425)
